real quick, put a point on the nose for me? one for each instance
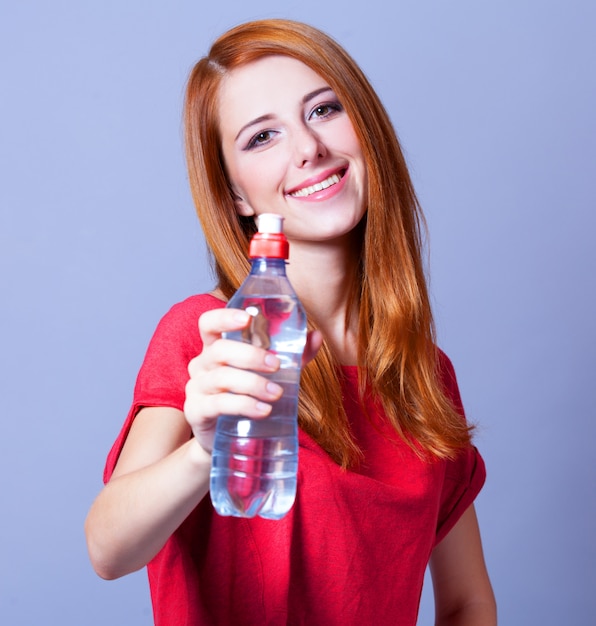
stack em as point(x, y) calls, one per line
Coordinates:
point(308, 146)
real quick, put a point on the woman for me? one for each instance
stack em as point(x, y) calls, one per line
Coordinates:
point(280, 119)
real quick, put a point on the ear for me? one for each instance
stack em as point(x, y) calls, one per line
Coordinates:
point(242, 206)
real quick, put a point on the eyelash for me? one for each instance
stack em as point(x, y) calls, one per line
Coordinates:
point(333, 107)
point(265, 135)
point(254, 141)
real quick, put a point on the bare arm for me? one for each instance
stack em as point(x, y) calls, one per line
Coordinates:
point(163, 471)
point(161, 476)
point(462, 589)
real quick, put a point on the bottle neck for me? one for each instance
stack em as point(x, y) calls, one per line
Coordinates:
point(269, 265)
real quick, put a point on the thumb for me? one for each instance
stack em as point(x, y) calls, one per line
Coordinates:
point(314, 340)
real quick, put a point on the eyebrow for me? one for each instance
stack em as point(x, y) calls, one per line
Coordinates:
point(264, 118)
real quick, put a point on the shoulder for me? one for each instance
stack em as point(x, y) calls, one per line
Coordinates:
point(186, 312)
point(177, 332)
point(193, 306)
point(446, 369)
point(448, 379)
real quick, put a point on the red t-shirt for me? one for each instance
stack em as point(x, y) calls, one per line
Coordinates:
point(354, 547)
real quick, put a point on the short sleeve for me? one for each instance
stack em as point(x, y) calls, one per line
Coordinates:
point(163, 375)
point(466, 474)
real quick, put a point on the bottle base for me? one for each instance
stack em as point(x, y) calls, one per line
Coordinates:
point(273, 503)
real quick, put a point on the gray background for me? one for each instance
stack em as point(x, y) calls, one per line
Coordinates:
point(495, 105)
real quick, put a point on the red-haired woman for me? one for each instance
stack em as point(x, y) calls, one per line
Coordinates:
point(279, 119)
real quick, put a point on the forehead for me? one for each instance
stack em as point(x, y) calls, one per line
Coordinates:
point(256, 88)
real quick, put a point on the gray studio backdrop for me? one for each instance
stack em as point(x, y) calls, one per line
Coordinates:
point(494, 103)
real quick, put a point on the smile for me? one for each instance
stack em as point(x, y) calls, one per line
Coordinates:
point(324, 184)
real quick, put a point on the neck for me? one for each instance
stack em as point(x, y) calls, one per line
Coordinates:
point(322, 276)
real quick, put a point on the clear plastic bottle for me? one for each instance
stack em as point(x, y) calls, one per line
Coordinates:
point(255, 462)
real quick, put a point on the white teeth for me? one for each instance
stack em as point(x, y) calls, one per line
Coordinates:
point(306, 191)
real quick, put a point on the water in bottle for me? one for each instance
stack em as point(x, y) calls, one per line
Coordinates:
point(254, 464)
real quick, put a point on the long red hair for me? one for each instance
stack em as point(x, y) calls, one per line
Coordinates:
point(398, 358)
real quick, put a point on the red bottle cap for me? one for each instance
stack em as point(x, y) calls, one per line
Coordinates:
point(270, 241)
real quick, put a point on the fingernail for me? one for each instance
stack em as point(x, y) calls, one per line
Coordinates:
point(274, 389)
point(241, 317)
point(271, 361)
point(263, 408)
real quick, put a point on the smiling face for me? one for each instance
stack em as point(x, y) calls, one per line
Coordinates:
point(290, 148)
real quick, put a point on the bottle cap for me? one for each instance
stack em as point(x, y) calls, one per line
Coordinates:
point(270, 223)
point(270, 241)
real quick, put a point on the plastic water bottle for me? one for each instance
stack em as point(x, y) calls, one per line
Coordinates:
point(255, 462)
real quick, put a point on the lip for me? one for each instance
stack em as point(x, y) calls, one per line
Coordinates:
point(322, 194)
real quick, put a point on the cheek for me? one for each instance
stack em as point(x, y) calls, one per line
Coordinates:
point(356, 150)
point(348, 136)
point(240, 176)
point(258, 177)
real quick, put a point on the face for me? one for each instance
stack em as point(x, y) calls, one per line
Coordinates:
point(290, 148)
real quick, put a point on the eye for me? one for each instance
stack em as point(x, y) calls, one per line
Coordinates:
point(325, 110)
point(260, 139)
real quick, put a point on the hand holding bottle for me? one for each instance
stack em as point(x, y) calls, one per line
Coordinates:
point(218, 384)
point(224, 378)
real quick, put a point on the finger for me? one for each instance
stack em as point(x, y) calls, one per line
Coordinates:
point(314, 340)
point(217, 321)
point(223, 404)
point(226, 352)
point(226, 404)
point(202, 410)
point(232, 380)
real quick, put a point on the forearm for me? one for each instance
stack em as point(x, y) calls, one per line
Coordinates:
point(137, 512)
point(483, 613)
point(463, 592)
